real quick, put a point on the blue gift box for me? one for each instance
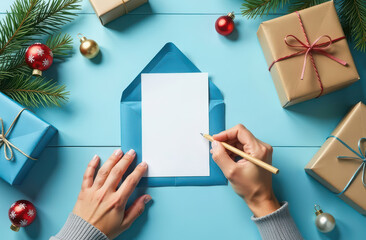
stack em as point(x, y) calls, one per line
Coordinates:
point(28, 136)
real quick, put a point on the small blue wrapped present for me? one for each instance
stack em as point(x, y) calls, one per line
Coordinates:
point(23, 136)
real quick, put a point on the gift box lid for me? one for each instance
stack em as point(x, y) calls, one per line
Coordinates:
point(335, 173)
point(29, 133)
point(320, 20)
point(108, 10)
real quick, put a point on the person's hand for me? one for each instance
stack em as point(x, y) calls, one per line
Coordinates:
point(102, 203)
point(252, 183)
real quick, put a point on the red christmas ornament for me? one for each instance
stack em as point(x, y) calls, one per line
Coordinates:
point(21, 214)
point(225, 24)
point(39, 57)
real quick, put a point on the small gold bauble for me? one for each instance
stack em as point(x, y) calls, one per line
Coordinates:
point(88, 48)
point(37, 72)
point(14, 228)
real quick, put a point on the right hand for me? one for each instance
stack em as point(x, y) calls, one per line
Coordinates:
point(252, 183)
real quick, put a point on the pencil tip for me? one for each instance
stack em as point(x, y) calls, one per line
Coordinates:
point(201, 134)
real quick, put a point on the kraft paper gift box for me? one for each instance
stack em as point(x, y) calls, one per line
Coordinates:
point(108, 10)
point(340, 163)
point(23, 136)
point(321, 26)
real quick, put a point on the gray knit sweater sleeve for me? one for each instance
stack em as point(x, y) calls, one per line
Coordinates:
point(278, 225)
point(77, 228)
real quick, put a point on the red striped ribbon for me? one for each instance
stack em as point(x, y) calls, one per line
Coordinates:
point(309, 49)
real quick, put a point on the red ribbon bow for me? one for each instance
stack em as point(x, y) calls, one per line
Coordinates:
point(309, 49)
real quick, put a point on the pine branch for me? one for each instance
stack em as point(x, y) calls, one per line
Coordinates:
point(34, 92)
point(255, 8)
point(13, 65)
point(16, 30)
point(297, 5)
point(61, 45)
point(29, 20)
point(54, 14)
point(353, 17)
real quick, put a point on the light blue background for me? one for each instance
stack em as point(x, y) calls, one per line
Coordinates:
point(89, 124)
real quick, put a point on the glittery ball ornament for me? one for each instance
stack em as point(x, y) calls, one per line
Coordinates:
point(21, 214)
point(39, 57)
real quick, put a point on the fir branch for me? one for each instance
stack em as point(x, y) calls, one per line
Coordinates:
point(60, 44)
point(297, 5)
point(34, 92)
point(255, 8)
point(16, 30)
point(13, 65)
point(53, 14)
point(29, 20)
point(353, 17)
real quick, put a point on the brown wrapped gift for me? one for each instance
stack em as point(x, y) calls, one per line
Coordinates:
point(318, 21)
point(335, 173)
point(108, 10)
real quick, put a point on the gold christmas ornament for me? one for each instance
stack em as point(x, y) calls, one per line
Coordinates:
point(88, 48)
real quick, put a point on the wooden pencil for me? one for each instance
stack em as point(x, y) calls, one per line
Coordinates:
point(248, 157)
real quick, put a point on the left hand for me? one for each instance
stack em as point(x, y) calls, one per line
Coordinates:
point(102, 203)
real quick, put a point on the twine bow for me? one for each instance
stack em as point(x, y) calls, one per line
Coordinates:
point(361, 155)
point(8, 146)
point(125, 6)
point(308, 50)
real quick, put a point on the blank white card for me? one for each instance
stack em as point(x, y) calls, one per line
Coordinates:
point(174, 110)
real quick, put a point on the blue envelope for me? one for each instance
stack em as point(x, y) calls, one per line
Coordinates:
point(169, 60)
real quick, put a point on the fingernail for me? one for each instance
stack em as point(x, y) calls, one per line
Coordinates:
point(131, 152)
point(214, 144)
point(118, 152)
point(147, 199)
point(143, 164)
point(95, 158)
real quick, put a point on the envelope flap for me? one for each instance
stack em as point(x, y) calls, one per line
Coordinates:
point(168, 60)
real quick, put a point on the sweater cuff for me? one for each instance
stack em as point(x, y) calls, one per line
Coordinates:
point(278, 225)
point(77, 228)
